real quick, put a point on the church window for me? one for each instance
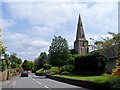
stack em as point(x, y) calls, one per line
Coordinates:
point(81, 24)
point(83, 44)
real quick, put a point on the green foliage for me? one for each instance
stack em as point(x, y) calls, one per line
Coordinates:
point(26, 65)
point(40, 72)
point(54, 70)
point(109, 47)
point(14, 65)
point(115, 83)
point(65, 73)
point(93, 64)
point(47, 66)
point(71, 59)
point(4, 65)
point(15, 59)
point(58, 51)
point(7, 59)
point(40, 61)
point(68, 68)
point(73, 51)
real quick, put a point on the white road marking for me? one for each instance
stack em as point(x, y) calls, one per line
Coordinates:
point(33, 79)
point(30, 76)
point(47, 87)
point(22, 78)
point(38, 82)
point(13, 84)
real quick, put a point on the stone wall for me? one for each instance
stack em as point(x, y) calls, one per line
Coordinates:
point(3, 75)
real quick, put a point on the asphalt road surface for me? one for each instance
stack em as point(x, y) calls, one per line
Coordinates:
point(37, 82)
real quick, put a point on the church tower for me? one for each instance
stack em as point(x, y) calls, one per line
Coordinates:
point(80, 44)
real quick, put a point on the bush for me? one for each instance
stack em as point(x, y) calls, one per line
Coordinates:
point(94, 63)
point(47, 66)
point(65, 73)
point(115, 83)
point(40, 72)
point(54, 70)
point(68, 68)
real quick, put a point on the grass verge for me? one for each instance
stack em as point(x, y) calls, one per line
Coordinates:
point(101, 79)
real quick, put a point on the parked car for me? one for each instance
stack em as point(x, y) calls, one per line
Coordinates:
point(24, 74)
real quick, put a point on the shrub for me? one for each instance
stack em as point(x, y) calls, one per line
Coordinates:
point(65, 73)
point(115, 83)
point(47, 66)
point(68, 68)
point(94, 63)
point(54, 70)
point(116, 71)
point(40, 72)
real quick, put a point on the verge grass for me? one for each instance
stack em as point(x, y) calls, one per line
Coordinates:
point(102, 78)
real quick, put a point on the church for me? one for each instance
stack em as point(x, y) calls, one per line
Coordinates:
point(81, 47)
point(81, 43)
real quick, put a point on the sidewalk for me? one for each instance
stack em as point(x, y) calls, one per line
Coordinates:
point(0, 85)
point(5, 83)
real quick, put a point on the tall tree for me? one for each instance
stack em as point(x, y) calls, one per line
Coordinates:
point(41, 60)
point(26, 65)
point(58, 51)
point(15, 61)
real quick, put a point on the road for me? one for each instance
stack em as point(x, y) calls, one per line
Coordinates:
point(33, 81)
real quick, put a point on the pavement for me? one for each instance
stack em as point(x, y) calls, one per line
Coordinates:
point(37, 82)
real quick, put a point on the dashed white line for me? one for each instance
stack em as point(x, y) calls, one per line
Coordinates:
point(38, 82)
point(46, 86)
point(33, 79)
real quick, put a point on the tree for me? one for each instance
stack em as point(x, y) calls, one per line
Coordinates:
point(47, 66)
point(7, 59)
point(26, 65)
point(15, 59)
point(58, 51)
point(4, 66)
point(40, 60)
point(111, 45)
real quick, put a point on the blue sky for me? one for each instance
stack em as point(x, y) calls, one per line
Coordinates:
point(29, 25)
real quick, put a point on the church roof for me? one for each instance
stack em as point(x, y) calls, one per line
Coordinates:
point(80, 30)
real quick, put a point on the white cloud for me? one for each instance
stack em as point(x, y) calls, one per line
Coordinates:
point(54, 15)
point(40, 43)
point(24, 45)
point(48, 19)
point(38, 30)
point(6, 24)
point(44, 14)
point(60, 0)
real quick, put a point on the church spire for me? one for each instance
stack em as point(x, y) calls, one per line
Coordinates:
point(80, 44)
point(80, 30)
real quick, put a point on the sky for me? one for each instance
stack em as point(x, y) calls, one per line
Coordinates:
point(30, 25)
